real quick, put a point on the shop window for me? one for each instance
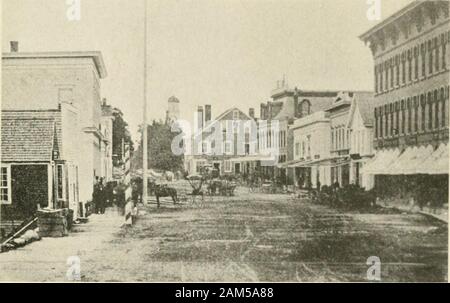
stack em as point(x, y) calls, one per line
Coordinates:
point(5, 185)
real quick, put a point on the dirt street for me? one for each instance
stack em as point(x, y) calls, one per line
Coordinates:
point(250, 237)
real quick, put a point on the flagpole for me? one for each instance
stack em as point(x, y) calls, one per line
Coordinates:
point(145, 130)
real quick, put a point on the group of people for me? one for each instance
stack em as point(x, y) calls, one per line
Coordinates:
point(100, 196)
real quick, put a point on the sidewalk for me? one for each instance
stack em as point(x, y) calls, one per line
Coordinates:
point(440, 213)
point(46, 260)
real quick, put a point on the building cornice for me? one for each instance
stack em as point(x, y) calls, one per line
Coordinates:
point(96, 56)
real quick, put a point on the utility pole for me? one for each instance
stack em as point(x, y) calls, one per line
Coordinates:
point(145, 130)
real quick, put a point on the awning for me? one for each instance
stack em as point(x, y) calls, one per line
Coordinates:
point(437, 163)
point(411, 160)
point(381, 163)
point(253, 158)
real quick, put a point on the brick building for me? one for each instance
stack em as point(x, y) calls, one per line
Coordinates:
point(411, 72)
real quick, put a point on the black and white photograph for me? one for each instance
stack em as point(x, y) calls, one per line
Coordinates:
point(224, 141)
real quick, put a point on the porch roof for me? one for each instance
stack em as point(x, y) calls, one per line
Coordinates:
point(27, 140)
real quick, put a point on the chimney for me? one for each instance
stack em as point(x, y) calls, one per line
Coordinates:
point(207, 113)
point(14, 46)
point(262, 114)
point(200, 117)
point(104, 101)
point(251, 113)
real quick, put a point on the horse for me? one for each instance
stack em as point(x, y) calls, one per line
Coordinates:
point(165, 191)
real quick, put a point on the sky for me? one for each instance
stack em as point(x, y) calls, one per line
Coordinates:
point(228, 53)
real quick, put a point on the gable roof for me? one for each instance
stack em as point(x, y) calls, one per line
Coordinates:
point(27, 140)
point(364, 100)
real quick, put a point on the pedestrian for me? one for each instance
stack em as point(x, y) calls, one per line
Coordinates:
point(101, 196)
point(95, 195)
point(128, 213)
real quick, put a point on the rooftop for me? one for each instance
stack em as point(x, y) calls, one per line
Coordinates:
point(96, 56)
point(27, 140)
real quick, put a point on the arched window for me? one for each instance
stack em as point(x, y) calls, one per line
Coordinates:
point(416, 114)
point(422, 107)
point(305, 108)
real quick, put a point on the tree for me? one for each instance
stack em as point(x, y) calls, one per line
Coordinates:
point(121, 135)
point(159, 144)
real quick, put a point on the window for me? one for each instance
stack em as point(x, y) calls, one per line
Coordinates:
point(416, 64)
point(430, 111)
point(436, 109)
point(403, 117)
point(423, 61)
point(416, 115)
point(392, 74)
point(387, 121)
point(376, 123)
point(60, 181)
point(437, 59)
point(430, 55)
point(381, 80)
point(227, 166)
point(235, 115)
point(297, 149)
point(422, 105)
point(376, 79)
point(444, 54)
point(403, 71)
point(5, 185)
point(199, 166)
point(305, 108)
point(408, 104)
point(409, 67)
point(386, 87)
point(397, 72)
point(309, 146)
point(205, 147)
point(332, 138)
point(381, 125)
point(443, 108)
point(227, 147)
